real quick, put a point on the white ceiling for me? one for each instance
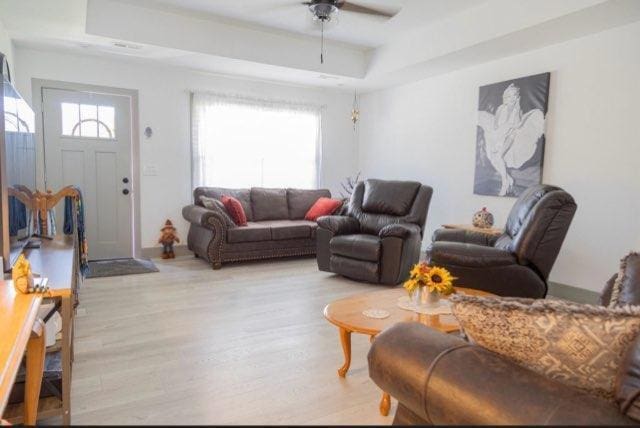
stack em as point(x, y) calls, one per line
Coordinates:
point(276, 39)
point(349, 27)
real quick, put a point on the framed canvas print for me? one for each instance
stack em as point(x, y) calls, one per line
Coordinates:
point(510, 135)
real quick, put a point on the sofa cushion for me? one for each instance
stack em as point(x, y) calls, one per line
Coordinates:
point(288, 229)
point(235, 210)
point(359, 247)
point(300, 200)
point(322, 207)
point(578, 345)
point(269, 204)
point(242, 195)
point(273, 230)
point(626, 286)
point(217, 206)
point(389, 197)
point(252, 232)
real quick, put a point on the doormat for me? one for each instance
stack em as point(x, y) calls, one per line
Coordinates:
point(117, 267)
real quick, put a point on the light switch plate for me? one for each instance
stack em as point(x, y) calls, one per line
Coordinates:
point(150, 170)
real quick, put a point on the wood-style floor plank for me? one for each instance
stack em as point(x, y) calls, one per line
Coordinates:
point(243, 345)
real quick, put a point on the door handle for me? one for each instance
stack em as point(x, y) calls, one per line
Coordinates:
point(125, 191)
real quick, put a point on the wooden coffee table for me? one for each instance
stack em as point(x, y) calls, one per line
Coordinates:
point(347, 315)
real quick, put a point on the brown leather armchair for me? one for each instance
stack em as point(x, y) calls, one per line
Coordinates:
point(380, 237)
point(518, 262)
point(441, 379)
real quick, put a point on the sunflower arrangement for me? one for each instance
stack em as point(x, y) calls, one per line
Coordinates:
point(435, 278)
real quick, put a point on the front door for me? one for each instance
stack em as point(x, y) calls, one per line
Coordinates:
point(87, 142)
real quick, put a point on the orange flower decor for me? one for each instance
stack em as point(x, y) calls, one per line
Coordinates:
point(435, 278)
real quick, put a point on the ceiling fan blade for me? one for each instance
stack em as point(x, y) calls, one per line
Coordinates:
point(352, 7)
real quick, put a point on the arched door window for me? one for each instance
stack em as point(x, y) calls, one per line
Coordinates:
point(88, 121)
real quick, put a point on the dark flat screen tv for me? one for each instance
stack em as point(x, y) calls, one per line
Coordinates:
point(17, 169)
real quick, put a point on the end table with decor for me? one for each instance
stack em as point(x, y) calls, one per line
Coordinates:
point(493, 231)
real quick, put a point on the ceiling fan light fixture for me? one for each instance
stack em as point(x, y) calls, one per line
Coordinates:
point(323, 11)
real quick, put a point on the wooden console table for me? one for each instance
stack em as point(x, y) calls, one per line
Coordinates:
point(22, 332)
point(57, 260)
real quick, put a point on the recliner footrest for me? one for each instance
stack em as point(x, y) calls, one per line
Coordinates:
point(355, 269)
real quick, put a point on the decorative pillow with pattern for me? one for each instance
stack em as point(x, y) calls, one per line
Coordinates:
point(626, 286)
point(216, 205)
point(579, 345)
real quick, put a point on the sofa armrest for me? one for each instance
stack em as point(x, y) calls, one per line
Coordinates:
point(469, 255)
point(399, 230)
point(203, 217)
point(444, 380)
point(339, 224)
point(463, 236)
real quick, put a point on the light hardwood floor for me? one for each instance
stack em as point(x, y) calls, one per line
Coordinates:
point(243, 345)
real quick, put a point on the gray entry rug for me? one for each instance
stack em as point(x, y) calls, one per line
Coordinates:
point(117, 267)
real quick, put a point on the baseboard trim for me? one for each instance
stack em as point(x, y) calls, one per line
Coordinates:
point(575, 294)
point(156, 252)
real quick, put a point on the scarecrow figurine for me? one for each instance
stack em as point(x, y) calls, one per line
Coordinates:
point(167, 238)
point(22, 276)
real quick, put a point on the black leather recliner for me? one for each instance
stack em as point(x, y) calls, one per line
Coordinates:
point(518, 262)
point(379, 239)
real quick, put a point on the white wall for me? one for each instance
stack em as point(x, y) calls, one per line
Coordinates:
point(164, 106)
point(6, 46)
point(426, 131)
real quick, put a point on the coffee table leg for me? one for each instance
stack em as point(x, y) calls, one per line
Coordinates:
point(385, 404)
point(345, 340)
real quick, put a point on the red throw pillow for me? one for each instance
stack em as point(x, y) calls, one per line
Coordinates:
point(235, 210)
point(323, 206)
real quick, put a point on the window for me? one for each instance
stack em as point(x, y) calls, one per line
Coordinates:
point(88, 120)
point(18, 115)
point(239, 142)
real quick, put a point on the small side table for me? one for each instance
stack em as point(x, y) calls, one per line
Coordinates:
point(493, 231)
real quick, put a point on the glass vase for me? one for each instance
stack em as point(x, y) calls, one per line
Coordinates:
point(423, 298)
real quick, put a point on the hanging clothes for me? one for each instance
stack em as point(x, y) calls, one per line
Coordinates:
point(36, 229)
point(75, 217)
point(17, 216)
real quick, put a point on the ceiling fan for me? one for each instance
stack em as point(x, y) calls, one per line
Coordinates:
point(324, 10)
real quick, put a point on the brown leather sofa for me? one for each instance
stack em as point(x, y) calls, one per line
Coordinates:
point(276, 225)
point(441, 379)
point(379, 238)
point(518, 262)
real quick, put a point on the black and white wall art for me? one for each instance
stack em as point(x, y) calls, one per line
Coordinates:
point(510, 135)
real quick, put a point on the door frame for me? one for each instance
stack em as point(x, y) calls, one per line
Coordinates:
point(37, 88)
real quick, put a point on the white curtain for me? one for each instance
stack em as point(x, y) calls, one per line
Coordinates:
point(242, 142)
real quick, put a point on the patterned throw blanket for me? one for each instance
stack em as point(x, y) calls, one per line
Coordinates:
point(78, 220)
